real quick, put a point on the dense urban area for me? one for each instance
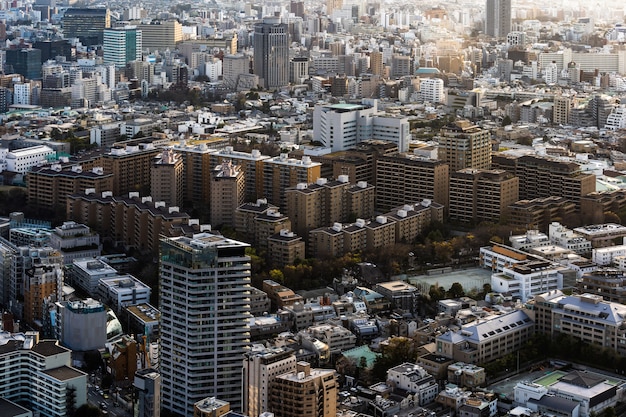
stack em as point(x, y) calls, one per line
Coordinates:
point(289, 208)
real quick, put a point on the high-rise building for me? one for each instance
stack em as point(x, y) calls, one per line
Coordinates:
point(408, 179)
point(25, 61)
point(376, 63)
point(560, 112)
point(304, 392)
point(498, 18)
point(260, 366)
point(160, 36)
point(131, 167)
point(122, 45)
point(271, 53)
point(228, 188)
point(282, 172)
point(86, 24)
point(465, 145)
point(204, 330)
point(481, 195)
point(167, 178)
point(332, 5)
point(545, 177)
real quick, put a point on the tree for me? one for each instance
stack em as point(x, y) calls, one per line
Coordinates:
point(436, 293)
point(506, 121)
point(88, 410)
point(277, 275)
point(456, 291)
point(611, 217)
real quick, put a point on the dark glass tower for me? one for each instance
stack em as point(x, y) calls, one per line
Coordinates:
point(271, 53)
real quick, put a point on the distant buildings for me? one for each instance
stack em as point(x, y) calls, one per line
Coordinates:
point(271, 53)
point(86, 24)
point(122, 45)
point(498, 18)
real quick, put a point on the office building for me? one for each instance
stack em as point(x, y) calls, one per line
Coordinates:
point(586, 317)
point(486, 340)
point(147, 384)
point(194, 363)
point(85, 274)
point(82, 324)
point(406, 178)
point(211, 407)
point(464, 145)
point(525, 279)
point(159, 35)
point(498, 18)
point(260, 366)
point(86, 24)
point(24, 61)
point(49, 185)
point(234, 66)
point(39, 375)
point(122, 291)
point(609, 283)
point(431, 89)
point(75, 241)
point(481, 195)
point(228, 187)
point(544, 177)
point(343, 126)
point(166, 178)
point(271, 53)
point(122, 45)
point(304, 392)
point(412, 378)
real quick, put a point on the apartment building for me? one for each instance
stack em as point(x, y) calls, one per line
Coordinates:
point(602, 235)
point(210, 355)
point(196, 172)
point(167, 178)
point(269, 224)
point(540, 212)
point(246, 214)
point(252, 165)
point(481, 195)
point(41, 283)
point(260, 366)
point(304, 392)
point(566, 238)
point(487, 340)
point(131, 167)
point(48, 186)
point(594, 205)
point(282, 172)
point(285, 247)
point(228, 187)
point(464, 145)
point(324, 202)
point(279, 295)
point(541, 177)
point(147, 384)
point(411, 219)
point(39, 374)
point(406, 178)
point(586, 317)
point(132, 220)
point(401, 295)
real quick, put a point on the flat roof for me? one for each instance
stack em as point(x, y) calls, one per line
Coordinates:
point(10, 409)
point(64, 373)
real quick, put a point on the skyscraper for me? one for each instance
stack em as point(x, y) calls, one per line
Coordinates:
point(205, 286)
point(86, 24)
point(122, 45)
point(271, 53)
point(498, 18)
